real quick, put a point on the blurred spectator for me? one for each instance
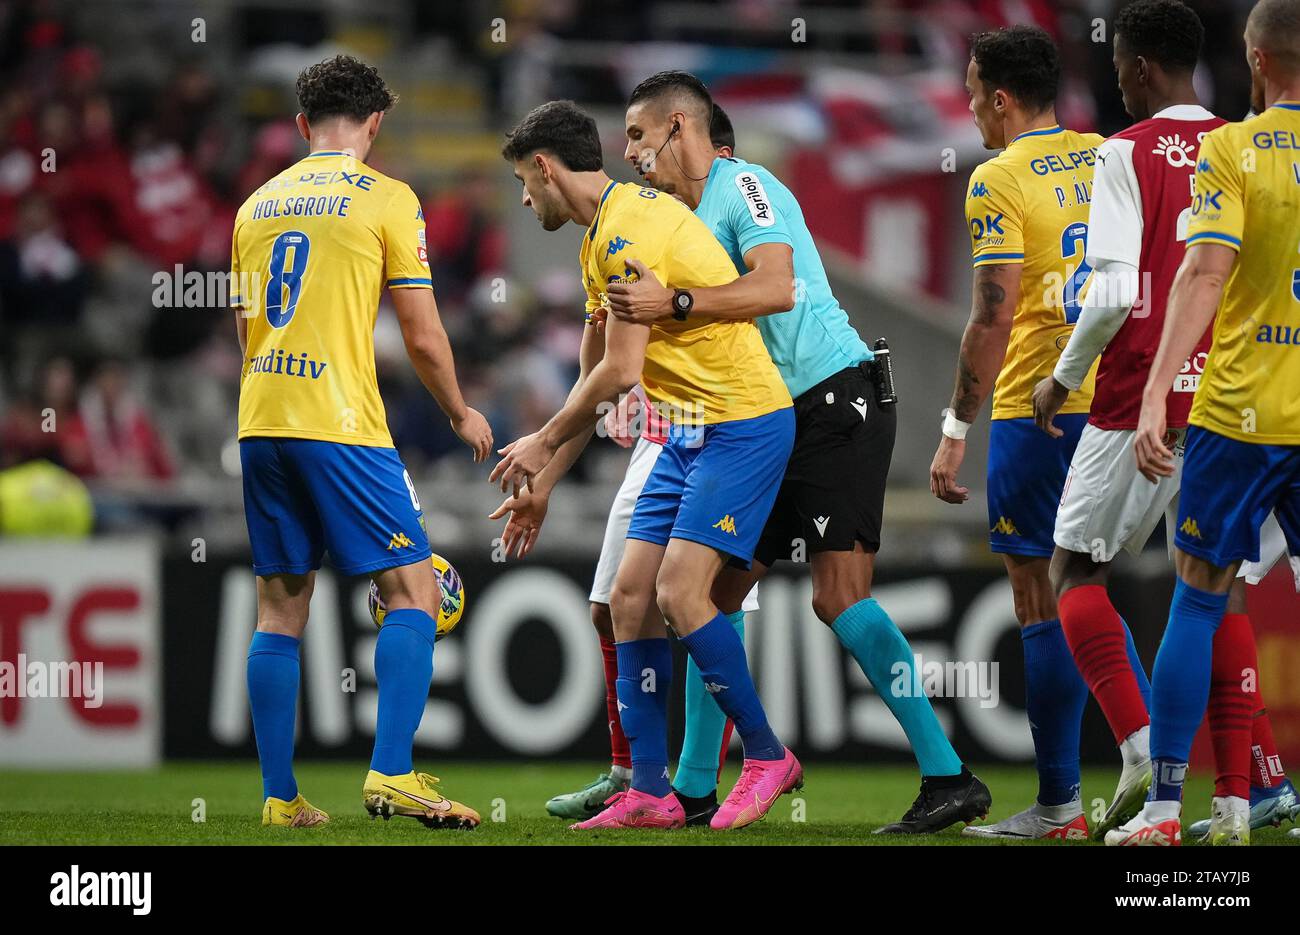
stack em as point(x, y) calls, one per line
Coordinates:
point(118, 440)
point(466, 240)
point(45, 424)
point(41, 277)
point(276, 146)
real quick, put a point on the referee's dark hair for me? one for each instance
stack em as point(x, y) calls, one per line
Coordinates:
point(561, 129)
point(342, 86)
point(721, 132)
point(682, 87)
point(1021, 60)
point(1167, 32)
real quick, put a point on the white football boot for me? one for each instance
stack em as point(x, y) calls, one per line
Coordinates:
point(1159, 824)
point(1064, 822)
point(1229, 821)
point(1130, 794)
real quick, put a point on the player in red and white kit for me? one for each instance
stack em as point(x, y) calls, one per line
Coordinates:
point(1142, 193)
point(1141, 204)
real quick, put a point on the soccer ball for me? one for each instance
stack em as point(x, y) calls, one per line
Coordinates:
point(450, 605)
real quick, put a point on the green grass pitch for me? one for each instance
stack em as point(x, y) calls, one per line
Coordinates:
point(838, 805)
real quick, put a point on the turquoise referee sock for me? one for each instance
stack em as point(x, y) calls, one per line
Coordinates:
point(875, 641)
point(697, 767)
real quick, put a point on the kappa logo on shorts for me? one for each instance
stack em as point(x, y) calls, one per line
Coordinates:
point(1005, 527)
point(726, 524)
point(399, 541)
point(1190, 528)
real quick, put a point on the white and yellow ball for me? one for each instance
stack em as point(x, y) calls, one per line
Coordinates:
point(451, 603)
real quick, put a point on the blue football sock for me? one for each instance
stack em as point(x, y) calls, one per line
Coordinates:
point(1181, 680)
point(697, 767)
point(720, 655)
point(273, 699)
point(885, 658)
point(1055, 694)
point(403, 669)
point(645, 675)
point(1144, 685)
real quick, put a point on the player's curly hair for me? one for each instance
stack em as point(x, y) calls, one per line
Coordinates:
point(1021, 60)
point(342, 86)
point(1167, 32)
point(561, 129)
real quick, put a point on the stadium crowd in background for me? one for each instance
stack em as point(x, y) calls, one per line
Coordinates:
point(108, 179)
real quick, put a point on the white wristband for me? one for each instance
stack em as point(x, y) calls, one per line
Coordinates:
point(953, 427)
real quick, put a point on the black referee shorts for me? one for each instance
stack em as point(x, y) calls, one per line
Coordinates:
point(833, 491)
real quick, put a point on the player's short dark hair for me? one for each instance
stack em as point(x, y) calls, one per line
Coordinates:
point(342, 86)
point(561, 129)
point(1021, 60)
point(1274, 25)
point(680, 85)
point(721, 132)
point(1167, 32)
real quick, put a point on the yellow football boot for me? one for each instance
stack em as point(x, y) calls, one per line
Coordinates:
point(296, 814)
point(414, 796)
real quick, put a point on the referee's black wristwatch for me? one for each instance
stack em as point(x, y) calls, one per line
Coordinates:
point(683, 302)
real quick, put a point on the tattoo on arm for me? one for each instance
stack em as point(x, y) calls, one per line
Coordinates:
point(966, 400)
point(987, 309)
point(989, 296)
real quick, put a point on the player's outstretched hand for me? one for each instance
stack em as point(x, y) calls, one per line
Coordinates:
point(618, 421)
point(474, 431)
point(523, 526)
point(1049, 397)
point(523, 459)
point(1154, 457)
point(943, 471)
point(642, 302)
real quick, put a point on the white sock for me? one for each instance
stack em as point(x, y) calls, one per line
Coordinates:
point(620, 774)
point(1136, 747)
point(1162, 810)
point(1063, 812)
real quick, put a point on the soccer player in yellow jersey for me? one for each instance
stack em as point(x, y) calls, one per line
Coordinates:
point(1027, 212)
point(712, 486)
point(1242, 455)
point(312, 250)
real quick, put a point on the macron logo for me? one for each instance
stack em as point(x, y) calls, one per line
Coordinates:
point(820, 522)
point(713, 687)
point(75, 888)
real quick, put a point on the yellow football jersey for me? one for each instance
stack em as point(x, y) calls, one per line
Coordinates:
point(700, 371)
point(312, 250)
point(1029, 205)
point(1248, 198)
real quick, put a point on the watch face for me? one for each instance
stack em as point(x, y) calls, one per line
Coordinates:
point(683, 301)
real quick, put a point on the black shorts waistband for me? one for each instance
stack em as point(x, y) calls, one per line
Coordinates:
point(855, 374)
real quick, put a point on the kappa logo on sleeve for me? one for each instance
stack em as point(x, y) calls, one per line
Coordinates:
point(755, 195)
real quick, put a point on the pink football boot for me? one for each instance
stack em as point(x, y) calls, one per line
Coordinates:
point(760, 784)
point(634, 809)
